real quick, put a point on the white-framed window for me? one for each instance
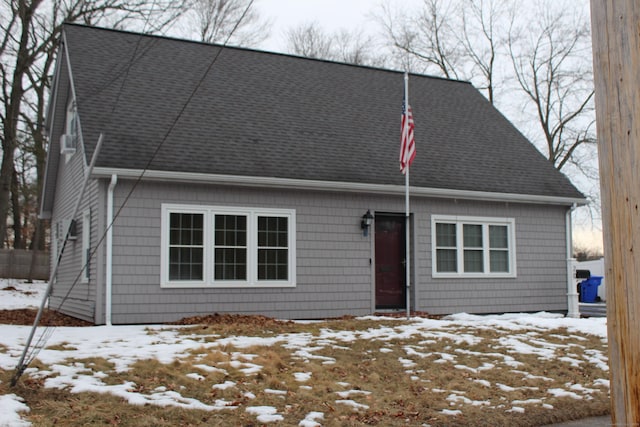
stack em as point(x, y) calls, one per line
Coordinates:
point(213, 246)
point(86, 245)
point(71, 127)
point(473, 247)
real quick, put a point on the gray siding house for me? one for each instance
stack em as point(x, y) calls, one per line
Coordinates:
point(235, 181)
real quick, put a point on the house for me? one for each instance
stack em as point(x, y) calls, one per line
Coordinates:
point(236, 181)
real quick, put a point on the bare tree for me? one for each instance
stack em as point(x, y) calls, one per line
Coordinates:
point(309, 40)
point(29, 37)
point(353, 47)
point(547, 49)
point(235, 21)
point(481, 41)
point(426, 36)
point(551, 58)
point(453, 39)
point(537, 51)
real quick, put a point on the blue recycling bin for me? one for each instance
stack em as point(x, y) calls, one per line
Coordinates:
point(589, 289)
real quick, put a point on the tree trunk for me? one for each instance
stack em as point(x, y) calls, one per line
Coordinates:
point(616, 53)
point(18, 242)
point(12, 111)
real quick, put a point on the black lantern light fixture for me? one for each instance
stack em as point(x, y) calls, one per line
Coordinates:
point(367, 219)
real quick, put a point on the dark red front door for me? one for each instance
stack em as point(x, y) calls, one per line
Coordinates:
point(390, 272)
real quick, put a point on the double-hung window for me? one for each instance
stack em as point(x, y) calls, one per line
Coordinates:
point(473, 246)
point(208, 246)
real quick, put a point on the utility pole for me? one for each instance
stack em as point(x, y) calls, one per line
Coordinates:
point(616, 58)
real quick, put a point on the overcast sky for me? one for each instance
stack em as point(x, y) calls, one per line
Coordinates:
point(332, 15)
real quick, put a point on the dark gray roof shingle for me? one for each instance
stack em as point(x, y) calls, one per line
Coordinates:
point(273, 115)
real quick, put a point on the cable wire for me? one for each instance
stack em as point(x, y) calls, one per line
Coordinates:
point(48, 330)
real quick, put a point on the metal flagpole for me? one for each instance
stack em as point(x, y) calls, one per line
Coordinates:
point(406, 202)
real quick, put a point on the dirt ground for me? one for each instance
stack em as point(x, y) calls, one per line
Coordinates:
point(26, 316)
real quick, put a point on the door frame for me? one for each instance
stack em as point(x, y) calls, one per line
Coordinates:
point(385, 214)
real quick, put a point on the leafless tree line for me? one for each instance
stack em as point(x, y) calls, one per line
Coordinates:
point(530, 59)
point(30, 33)
point(533, 59)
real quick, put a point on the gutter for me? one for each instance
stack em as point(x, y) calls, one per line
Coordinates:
point(303, 184)
point(573, 305)
point(109, 250)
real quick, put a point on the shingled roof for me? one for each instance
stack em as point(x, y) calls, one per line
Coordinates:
point(259, 114)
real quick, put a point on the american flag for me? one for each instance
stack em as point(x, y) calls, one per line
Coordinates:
point(407, 143)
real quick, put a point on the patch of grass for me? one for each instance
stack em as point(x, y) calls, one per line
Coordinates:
point(63, 346)
point(353, 381)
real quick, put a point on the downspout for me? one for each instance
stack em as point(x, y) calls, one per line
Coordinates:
point(109, 250)
point(573, 307)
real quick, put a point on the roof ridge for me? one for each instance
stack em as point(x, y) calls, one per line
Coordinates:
point(260, 51)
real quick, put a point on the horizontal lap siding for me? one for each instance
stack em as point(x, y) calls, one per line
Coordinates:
point(334, 275)
point(333, 269)
point(70, 295)
point(541, 282)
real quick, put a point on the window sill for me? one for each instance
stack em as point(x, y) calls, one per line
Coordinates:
point(474, 275)
point(228, 285)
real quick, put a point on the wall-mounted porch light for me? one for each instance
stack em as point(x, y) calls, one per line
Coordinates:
point(367, 219)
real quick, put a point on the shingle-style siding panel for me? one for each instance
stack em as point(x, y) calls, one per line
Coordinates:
point(70, 294)
point(334, 274)
point(332, 257)
point(69, 289)
point(541, 282)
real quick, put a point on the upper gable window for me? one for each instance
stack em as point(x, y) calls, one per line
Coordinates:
point(71, 126)
point(69, 140)
point(207, 246)
point(473, 246)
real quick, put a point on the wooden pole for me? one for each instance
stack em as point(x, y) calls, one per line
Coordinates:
point(616, 57)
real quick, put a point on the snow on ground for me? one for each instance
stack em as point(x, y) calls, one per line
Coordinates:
point(25, 295)
point(12, 406)
point(124, 345)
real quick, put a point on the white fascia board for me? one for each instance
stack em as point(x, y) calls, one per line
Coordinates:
point(355, 187)
point(54, 149)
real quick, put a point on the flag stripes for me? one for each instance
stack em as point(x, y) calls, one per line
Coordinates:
point(407, 142)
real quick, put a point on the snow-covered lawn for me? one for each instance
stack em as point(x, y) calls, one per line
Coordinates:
point(520, 338)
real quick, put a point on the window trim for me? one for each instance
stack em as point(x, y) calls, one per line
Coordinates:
point(71, 126)
point(460, 221)
point(209, 213)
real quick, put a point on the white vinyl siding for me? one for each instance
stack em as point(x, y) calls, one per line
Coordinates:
point(473, 247)
point(209, 246)
point(86, 245)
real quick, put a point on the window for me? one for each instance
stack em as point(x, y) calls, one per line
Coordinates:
point(230, 247)
point(71, 126)
point(473, 247)
point(69, 141)
point(206, 246)
point(186, 246)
